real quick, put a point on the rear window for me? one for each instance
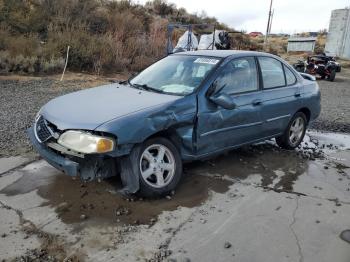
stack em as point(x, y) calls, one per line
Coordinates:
point(290, 77)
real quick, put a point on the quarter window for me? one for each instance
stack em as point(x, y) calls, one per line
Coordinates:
point(272, 72)
point(238, 76)
point(290, 77)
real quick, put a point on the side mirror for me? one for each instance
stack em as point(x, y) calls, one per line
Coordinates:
point(223, 100)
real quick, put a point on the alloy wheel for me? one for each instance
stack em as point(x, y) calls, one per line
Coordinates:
point(296, 130)
point(157, 165)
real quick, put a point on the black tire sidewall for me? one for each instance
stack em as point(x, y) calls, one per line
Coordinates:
point(147, 190)
point(332, 75)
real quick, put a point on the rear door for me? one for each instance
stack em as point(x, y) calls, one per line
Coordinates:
point(280, 96)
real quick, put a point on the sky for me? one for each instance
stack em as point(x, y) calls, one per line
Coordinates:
point(290, 16)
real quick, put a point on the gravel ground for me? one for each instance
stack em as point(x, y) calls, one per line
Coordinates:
point(335, 114)
point(21, 99)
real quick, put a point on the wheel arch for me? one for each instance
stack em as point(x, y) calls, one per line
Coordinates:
point(306, 111)
point(169, 134)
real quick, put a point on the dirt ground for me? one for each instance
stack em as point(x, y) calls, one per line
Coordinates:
point(21, 97)
point(335, 114)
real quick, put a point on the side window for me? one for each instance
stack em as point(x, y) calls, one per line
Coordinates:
point(239, 75)
point(272, 72)
point(290, 77)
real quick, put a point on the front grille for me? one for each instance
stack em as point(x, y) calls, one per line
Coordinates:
point(41, 130)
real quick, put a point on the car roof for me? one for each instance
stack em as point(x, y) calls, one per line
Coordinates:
point(221, 53)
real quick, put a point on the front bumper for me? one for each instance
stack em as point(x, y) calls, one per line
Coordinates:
point(87, 169)
point(68, 166)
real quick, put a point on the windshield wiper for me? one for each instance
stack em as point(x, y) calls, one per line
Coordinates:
point(133, 85)
point(138, 86)
point(145, 87)
point(152, 89)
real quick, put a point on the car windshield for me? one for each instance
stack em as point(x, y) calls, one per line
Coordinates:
point(176, 74)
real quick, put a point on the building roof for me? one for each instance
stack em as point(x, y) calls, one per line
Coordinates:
point(302, 39)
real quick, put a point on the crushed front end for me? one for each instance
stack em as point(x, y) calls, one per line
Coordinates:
point(44, 136)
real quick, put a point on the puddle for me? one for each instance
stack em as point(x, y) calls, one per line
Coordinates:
point(99, 202)
point(276, 167)
point(345, 235)
point(102, 202)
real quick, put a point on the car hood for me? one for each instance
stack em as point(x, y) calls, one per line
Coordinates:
point(90, 108)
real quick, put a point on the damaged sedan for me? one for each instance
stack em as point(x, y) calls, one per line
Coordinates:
point(187, 106)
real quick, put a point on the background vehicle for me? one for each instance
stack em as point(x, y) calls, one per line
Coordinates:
point(187, 106)
point(324, 66)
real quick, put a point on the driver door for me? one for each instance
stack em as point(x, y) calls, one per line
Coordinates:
point(221, 128)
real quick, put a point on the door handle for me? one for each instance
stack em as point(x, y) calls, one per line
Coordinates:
point(257, 102)
point(297, 94)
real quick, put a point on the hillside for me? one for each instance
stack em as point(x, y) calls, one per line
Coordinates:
point(104, 36)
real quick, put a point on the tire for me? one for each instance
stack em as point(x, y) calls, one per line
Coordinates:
point(286, 140)
point(323, 77)
point(157, 175)
point(331, 77)
point(338, 69)
point(299, 68)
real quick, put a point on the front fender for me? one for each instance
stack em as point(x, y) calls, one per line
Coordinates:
point(137, 127)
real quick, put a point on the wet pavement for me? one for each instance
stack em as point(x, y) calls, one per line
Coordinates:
point(8, 163)
point(257, 203)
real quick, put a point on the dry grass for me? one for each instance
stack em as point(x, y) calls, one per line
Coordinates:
point(104, 36)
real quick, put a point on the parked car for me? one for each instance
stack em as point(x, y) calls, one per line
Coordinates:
point(321, 65)
point(185, 107)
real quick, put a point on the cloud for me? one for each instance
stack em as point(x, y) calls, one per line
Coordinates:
point(251, 15)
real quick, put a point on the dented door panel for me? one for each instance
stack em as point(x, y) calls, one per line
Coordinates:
point(220, 128)
point(177, 118)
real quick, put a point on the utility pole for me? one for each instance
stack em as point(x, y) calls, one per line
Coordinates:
point(273, 11)
point(268, 24)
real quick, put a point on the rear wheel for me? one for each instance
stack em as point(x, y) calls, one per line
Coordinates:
point(159, 167)
point(294, 133)
point(331, 76)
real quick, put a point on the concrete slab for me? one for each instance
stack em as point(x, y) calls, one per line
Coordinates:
point(8, 163)
point(14, 242)
point(254, 204)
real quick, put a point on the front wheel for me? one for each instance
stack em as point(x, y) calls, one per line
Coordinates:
point(159, 167)
point(294, 132)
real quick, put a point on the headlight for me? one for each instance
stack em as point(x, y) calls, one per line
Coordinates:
point(86, 143)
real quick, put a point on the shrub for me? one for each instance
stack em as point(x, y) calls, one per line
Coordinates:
point(104, 36)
